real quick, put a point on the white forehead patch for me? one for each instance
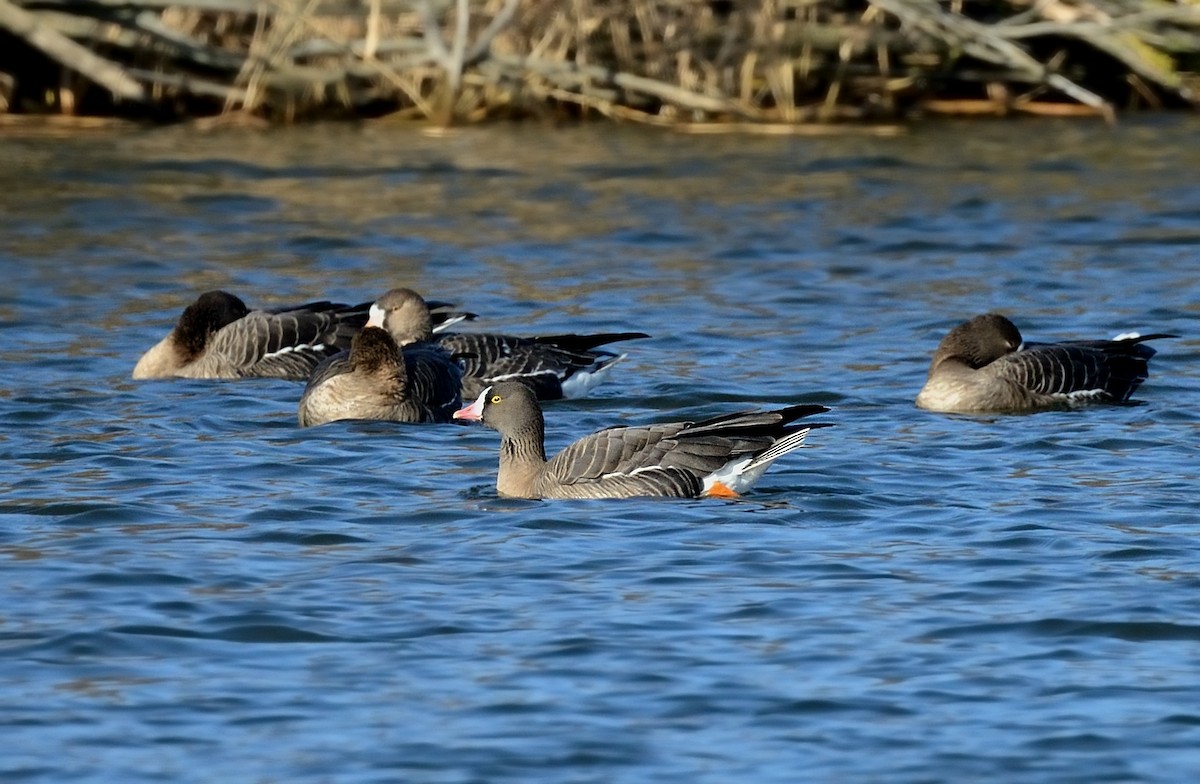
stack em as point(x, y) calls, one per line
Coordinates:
point(375, 316)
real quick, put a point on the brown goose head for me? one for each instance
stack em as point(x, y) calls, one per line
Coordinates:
point(200, 320)
point(404, 314)
point(979, 342)
point(510, 407)
point(373, 349)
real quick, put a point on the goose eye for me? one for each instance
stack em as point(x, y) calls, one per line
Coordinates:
point(496, 398)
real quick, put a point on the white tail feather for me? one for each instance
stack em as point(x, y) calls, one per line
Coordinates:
point(583, 381)
point(741, 474)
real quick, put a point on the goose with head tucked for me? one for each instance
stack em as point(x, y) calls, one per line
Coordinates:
point(380, 378)
point(983, 365)
point(376, 379)
point(217, 336)
point(722, 456)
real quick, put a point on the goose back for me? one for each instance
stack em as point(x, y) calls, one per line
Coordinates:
point(548, 364)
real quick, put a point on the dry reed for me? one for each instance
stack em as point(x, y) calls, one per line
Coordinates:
point(684, 63)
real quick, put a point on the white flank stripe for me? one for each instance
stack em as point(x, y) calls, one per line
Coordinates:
point(290, 349)
point(1080, 396)
point(449, 322)
point(510, 376)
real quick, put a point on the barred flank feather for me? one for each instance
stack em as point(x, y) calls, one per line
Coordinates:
point(555, 366)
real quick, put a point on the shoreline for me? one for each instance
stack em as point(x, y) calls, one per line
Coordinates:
point(763, 66)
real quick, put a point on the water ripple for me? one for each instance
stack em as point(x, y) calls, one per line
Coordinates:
point(199, 590)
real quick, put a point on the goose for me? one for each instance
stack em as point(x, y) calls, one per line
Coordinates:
point(983, 365)
point(720, 457)
point(376, 379)
point(218, 337)
point(556, 366)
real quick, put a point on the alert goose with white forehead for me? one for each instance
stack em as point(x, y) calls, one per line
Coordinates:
point(722, 456)
point(555, 366)
point(983, 365)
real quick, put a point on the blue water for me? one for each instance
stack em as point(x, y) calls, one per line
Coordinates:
point(194, 589)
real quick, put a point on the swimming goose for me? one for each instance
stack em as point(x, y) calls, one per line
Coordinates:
point(556, 366)
point(377, 379)
point(983, 365)
point(217, 336)
point(722, 456)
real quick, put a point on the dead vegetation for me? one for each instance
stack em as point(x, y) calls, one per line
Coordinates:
point(696, 64)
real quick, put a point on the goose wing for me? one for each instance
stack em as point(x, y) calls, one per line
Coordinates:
point(1080, 370)
point(281, 345)
point(443, 315)
point(583, 344)
point(493, 357)
point(543, 365)
point(434, 379)
point(620, 462)
point(486, 359)
point(673, 458)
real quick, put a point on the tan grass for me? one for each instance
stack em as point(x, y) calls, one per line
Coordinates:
point(661, 62)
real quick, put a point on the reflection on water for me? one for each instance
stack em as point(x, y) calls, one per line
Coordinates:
point(194, 583)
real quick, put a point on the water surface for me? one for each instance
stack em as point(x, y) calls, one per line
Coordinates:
point(197, 590)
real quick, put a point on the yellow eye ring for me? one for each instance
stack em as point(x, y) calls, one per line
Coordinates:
point(496, 398)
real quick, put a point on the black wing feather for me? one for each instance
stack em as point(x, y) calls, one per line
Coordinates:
point(434, 378)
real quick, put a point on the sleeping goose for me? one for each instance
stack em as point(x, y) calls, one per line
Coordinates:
point(722, 456)
point(983, 365)
point(556, 366)
point(377, 379)
point(217, 336)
